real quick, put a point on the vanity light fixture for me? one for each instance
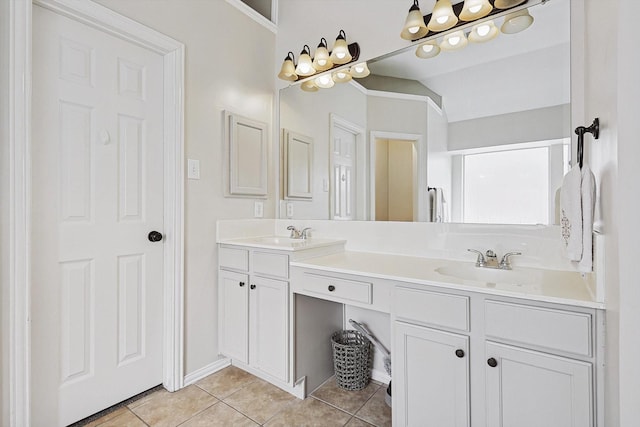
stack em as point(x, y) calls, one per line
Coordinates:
point(483, 32)
point(359, 70)
point(323, 81)
point(442, 17)
point(321, 59)
point(507, 4)
point(454, 41)
point(428, 50)
point(475, 9)
point(340, 53)
point(341, 76)
point(414, 26)
point(305, 66)
point(288, 70)
point(324, 60)
point(516, 22)
point(309, 86)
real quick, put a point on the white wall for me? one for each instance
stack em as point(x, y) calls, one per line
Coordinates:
point(228, 58)
point(600, 91)
point(4, 213)
point(308, 113)
point(628, 108)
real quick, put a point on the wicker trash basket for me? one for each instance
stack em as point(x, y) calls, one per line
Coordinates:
point(351, 359)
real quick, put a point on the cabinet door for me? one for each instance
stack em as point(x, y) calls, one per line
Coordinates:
point(234, 315)
point(430, 377)
point(269, 350)
point(532, 389)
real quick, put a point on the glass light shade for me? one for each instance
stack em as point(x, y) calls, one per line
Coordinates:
point(288, 70)
point(340, 53)
point(442, 17)
point(507, 4)
point(483, 32)
point(414, 27)
point(309, 86)
point(321, 60)
point(516, 22)
point(454, 41)
point(475, 9)
point(305, 66)
point(359, 70)
point(428, 50)
point(341, 76)
point(324, 81)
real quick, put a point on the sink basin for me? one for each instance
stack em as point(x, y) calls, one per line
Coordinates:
point(489, 275)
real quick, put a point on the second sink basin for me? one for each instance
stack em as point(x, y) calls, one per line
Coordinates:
point(488, 275)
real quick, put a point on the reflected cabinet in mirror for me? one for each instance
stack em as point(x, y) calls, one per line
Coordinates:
point(478, 135)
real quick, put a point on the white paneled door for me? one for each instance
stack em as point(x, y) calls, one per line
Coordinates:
point(343, 175)
point(97, 293)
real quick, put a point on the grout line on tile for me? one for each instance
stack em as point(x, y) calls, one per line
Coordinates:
point(199, 412)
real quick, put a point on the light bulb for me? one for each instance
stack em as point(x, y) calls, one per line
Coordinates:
point(414, 30)
point(442, 19)
point(483, 30)
point(359, 68)
point(324, 79)
point(305, 68)
point(454, 40)
point(475, 8)
point(427, 48)
point(341, 55)
point(322, 62)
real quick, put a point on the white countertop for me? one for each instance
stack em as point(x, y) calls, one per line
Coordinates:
point(282, 243)
point(561, 287)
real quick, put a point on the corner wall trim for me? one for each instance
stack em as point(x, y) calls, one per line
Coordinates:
point(209, 369)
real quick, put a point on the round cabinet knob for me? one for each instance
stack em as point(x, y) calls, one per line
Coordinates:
point(331, 288)
point(252, 286)
point(241, 284)
point(154, 236)
point(460, 353)
point(492, 362)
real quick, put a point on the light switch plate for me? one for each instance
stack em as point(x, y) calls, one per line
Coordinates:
point(193, 169)
point(289, 210)
point(258, 209)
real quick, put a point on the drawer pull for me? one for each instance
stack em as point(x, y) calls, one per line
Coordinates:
point(252, 286)
point(331, 288)
point(241, 284)
point(492, 362)
point(460, 353)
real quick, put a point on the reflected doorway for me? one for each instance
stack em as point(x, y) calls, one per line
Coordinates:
point(397, 177)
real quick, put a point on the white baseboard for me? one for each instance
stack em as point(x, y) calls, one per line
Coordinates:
point(209, 369)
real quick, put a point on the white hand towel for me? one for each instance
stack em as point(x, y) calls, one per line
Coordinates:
point(571, 213)
point(588, 196)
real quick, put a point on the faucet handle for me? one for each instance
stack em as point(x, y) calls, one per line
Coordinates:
point(505, 262)
point(305, 232)
point(295, 233)
point(480, 262)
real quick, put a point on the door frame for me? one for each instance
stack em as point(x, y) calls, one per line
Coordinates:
point(419, 177)
point(20, 239)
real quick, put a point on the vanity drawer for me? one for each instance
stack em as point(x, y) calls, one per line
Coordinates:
point(270, 264)
point(553, 329)
point(233, 258)
point(336, 288)
point(432, 308)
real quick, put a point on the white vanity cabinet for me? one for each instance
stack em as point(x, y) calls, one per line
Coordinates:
point(467, 359)
point(539, 368)
point(254, 309)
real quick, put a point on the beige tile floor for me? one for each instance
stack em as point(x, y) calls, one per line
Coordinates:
point(232, 397)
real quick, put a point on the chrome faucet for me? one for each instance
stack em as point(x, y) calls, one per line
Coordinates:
point(297, 234)
point(490, 260)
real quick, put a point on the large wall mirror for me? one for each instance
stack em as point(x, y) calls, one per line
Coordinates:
point(479, 135)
